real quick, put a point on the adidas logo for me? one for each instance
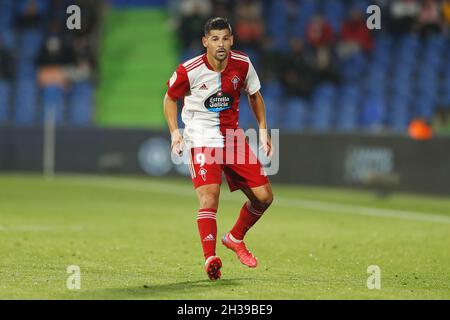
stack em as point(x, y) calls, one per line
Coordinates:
point(209, 237)
point(203, 87)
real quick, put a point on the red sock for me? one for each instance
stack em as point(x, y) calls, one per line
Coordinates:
point(207, 227)
point(247, 218)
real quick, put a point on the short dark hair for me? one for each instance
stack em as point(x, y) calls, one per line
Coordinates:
point(217, 23)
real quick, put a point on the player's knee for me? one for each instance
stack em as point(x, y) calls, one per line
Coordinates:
point(209, 200)
point(264, 201)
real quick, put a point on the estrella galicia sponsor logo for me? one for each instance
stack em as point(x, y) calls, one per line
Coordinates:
point(219, 102)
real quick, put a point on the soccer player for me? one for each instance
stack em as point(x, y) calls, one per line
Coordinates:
point(210, 87)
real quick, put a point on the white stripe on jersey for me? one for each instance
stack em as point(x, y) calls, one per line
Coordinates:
point(189, 62)
point(239, 55)
point(235, 58)
point(194, 65)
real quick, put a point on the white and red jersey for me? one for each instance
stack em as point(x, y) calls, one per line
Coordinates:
point(211, 99)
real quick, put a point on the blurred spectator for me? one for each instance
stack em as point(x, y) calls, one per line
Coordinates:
point(355, 36)
point(52, 59)
point(30, 13)
point(249, 28)
point(6, 64)
point(193, 15)
point(297, 70)
point(403, 15)
point(222, 8)
point(319, 32)
point(84, 61)
point(446, 13)
point(430, 18)
point(419, 129)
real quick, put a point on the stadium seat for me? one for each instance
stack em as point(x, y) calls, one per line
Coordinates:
point(335, 13)
point(81, 104)
point(347, 107)
point(53, 98)
point(322, 108)
point(424, 107)
point(295, 116)
point(30, 43)
point(246, 118)
point(306, 10)
point(373, 113)
point(25, 107)
point(275, 110)
point(5, 91)
point(398, 113)
point(353, 67)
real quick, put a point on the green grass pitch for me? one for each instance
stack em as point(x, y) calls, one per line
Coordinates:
point(136, 238)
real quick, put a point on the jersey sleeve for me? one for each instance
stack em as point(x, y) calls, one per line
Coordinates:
point(252, 84)
point(178, 84)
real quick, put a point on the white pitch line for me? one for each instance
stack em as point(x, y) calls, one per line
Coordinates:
point(320, 206)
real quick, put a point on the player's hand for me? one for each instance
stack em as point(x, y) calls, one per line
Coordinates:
point(266, 143)
point(177, 145)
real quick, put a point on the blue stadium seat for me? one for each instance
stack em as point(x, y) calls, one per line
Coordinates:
point(7, 37)
point(325, 90)
point(272, 89)
point(322, 109)
point(353, 67)
point(6, 13)
point(25, 108)
point(53, 98)
point(361, 4)
point(30, 43)
point(294, 117)
point(5, 91)
point(278, 21)
point(81, 104)
point(306, 10)
point(246, 118)
point(383, 43)
point(275, 112)
point(423, 107)
point(347, 115)
point(335, 12)
point(398, 115)
point(373, 113)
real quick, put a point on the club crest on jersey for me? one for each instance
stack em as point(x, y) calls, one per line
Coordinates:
point(219, 102)
point(235, 82)
point(202, 172)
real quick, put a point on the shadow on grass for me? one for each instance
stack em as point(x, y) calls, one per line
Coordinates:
point(149, 291)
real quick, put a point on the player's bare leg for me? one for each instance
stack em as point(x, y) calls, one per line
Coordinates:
point(259, 200)
point(208, 196)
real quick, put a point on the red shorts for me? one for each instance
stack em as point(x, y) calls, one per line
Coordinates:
point(241, 167)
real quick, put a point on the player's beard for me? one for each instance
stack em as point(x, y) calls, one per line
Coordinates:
point(221, 57)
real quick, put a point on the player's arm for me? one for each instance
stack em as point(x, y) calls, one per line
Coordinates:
point(259, 110)
point(178, 85)
point(171, 115)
